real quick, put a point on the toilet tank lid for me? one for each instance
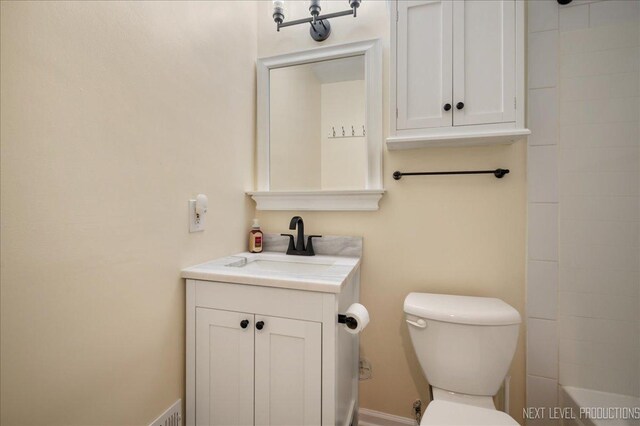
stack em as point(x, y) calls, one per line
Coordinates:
point(461, 309)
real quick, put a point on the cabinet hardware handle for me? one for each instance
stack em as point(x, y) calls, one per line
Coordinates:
point(244, 323)
point(460, 105)
point(259, 325)
point(447, 107)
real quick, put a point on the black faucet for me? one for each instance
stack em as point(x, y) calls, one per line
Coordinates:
point(299, 249)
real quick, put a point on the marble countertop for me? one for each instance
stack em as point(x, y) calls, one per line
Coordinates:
point(320, 273)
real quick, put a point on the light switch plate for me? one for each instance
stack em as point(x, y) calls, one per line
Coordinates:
point(194, 224)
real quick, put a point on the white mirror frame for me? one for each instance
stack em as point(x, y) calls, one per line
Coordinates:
point(365, 199)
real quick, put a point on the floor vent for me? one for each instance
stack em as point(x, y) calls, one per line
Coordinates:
point(171, 417)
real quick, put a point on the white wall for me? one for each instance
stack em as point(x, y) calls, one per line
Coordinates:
point(113, 115)
point(599, 218)
point(542, 189)
point(583, 275)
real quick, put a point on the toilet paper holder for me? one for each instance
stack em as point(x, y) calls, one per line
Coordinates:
point(350, 322)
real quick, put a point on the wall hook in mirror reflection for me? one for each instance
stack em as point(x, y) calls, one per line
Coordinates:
point(345, 135)
point(498, 173)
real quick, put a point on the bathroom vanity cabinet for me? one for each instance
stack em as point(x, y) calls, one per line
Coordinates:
point(265, 349)
point(280, 357)
point(457, 73)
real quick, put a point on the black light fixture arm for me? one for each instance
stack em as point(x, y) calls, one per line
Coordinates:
point(316, 18)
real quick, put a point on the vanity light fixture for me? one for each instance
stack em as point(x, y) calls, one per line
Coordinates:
point(320, 26)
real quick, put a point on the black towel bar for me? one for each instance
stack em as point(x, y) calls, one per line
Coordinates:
point(499, 173)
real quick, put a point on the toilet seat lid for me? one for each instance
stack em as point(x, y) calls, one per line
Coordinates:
point(445, 413)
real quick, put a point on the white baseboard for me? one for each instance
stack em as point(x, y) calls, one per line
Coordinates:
point(368, 417)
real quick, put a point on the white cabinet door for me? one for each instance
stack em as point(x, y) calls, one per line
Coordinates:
point(288, 379)
point(224, 368)
point(424, 64)
point(484, 61)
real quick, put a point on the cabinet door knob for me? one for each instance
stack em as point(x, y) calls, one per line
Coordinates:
point(259, 325)
point(244, 323)
point(447, 107)
point(460, 105)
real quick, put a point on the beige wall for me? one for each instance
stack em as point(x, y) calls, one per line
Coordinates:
point(295, 147)
point(113, 115)
point(344, 161)
point(455, 234)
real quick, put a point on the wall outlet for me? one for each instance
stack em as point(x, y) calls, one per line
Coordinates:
point(196, 223)
point(417, 410)
point(365, 369)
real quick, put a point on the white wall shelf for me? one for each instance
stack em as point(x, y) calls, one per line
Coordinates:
point(362, 200)
point(489, 137)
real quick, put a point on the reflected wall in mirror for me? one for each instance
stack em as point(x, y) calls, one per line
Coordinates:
point(317, 126)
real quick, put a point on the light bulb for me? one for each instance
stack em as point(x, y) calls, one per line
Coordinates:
point(314, 8)
point(278, 11)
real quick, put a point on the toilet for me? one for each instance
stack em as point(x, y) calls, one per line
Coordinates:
point(465, 346)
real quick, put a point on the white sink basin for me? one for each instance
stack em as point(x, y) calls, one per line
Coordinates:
point(316, 273)
point(298, 268)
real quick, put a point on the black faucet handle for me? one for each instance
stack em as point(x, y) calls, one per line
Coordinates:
point(309, 248)
point(292, 245)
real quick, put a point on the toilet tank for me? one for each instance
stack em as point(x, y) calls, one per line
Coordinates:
point(464, 344)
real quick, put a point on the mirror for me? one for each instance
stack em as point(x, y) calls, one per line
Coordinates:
point(320, 129)
point(317, 135)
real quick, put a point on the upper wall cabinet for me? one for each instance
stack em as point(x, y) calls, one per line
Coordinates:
point(457, 73)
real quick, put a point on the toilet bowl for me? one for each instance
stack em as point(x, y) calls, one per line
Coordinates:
point(465, 346)
point(445, 413)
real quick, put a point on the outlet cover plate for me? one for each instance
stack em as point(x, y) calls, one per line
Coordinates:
point(365, 369)
point(194, 224)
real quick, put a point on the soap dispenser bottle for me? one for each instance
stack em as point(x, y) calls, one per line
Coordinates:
point(255, 238)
